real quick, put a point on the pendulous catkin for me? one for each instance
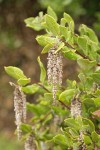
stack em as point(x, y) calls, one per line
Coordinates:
point(29, 143)
point(80, 139)
point(76, 108)
point(54, 70)
point(19, 108)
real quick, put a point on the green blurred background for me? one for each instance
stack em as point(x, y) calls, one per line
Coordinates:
point(19, 48)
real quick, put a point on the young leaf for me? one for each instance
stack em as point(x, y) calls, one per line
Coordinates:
point(52, 25)
point(96, 77)
point(35, 23)
point(67, 95)
point(51, 13)
point(63, 22)
point(71, 122)
point(46, 48)
point(85, 64)
point(23, 81)
point(95, 137)
point(36, 109)
point(69, 53)
point(26, 128)
point(87, 140)
point(82, 42)
point(15, 72)
point(97, 101)
point(30, 89)
point(61, 45)
point(70, 21)
point(84, 30)
point(90, 125)
point(65, 33)
point(43, 40)
point(60, 139)
point(43, 71)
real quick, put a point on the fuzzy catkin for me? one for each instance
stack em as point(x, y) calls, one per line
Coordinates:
point(29, 143)
point(18, 105)
point(60, 68)
point(54, 70)
point(76, 108)
point(83, 145)
point(19, 108)
point(24, 106)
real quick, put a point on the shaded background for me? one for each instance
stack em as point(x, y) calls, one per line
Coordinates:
point(19, 48)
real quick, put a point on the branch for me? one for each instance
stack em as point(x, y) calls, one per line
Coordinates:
point(64, 104)
point(43, 87)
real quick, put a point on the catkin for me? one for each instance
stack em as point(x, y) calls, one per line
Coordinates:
point(19, 108)
point(54, 70)
point(76, 108)
point(29, 143)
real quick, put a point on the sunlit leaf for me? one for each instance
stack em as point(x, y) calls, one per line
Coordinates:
point(52, 25)
point(43, 71)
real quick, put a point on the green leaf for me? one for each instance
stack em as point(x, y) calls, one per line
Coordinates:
point(70, 21)
point(87, 140)
point(15, 72)
point(37, 109)
point(52, 25)
point(88, 102)
point(71, 122)
point(61, 45)
point(43, 40)
point(97, 101)
point(48, 119)
point(46, 48)
point(63, 22)
point(70, 53)
point(23, 81)
point(67, 95)
point(71, 131)
point(91, 50)
point(60, 139)
point(82, 77)
point(82, 42)
point(65, 33)
point(60, 111)
point(31, 89)
point(51, 13)
point(96, 77)
point(43, 71)
point(26, 128)
point(48, 96)
point(76, 145)
point(90, 125)
point(35, 23)
point(84, 30)
point(95, 137)
point(85, 64)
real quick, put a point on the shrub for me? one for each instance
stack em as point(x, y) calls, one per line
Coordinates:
point(63, 117)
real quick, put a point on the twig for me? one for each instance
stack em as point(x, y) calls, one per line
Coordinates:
point(43, 87)
point(64, 104)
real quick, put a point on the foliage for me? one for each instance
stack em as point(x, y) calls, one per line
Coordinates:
point(73, 121)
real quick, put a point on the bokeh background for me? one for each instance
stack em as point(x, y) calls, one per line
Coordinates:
point(19, 48)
